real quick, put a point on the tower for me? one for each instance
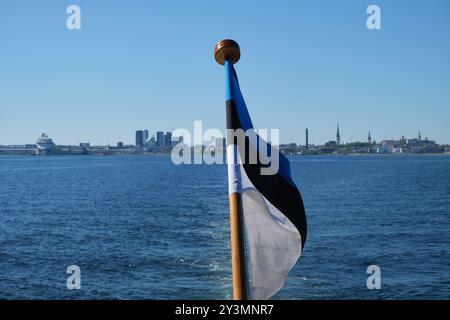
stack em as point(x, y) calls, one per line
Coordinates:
point(420, 137)
point(306, 142)
point(338, 136)
point(369, 138)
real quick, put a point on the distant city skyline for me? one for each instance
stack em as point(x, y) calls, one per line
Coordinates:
point(305, 64)
point(162, 137)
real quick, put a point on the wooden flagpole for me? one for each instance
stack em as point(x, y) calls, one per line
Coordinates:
point(229, 50)
point(237, 248)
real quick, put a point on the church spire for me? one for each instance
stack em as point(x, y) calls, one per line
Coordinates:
point(338, 136)
point(369, 138)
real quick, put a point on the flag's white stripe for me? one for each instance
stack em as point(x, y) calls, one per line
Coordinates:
point(273, 248)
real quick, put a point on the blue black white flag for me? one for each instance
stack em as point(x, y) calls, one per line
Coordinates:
point(272, 207)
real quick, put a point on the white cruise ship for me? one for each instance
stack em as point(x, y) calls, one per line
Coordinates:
point(44, 144)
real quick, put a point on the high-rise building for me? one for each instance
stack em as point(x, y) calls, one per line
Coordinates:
point(338, 136)
point(160, 139)
point(139, 138)
point(145, 136)
point(120, 145)
point(306, 140)
point(168, 139)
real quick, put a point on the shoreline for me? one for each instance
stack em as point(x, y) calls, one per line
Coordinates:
point(445, 154)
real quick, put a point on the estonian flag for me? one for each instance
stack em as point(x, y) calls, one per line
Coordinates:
point(272, 208)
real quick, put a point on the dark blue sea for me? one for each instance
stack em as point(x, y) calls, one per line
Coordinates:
point(140, 227)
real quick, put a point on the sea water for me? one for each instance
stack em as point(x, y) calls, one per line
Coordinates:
point(140, 227)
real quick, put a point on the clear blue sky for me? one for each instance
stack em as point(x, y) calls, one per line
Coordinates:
point(149, 65)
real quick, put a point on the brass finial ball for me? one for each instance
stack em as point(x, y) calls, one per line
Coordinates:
point(227, 50)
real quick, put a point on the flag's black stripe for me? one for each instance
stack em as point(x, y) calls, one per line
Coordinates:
point(280, 193)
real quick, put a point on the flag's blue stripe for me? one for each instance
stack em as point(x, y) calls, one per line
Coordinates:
point(228, 77)
point(233, 92)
